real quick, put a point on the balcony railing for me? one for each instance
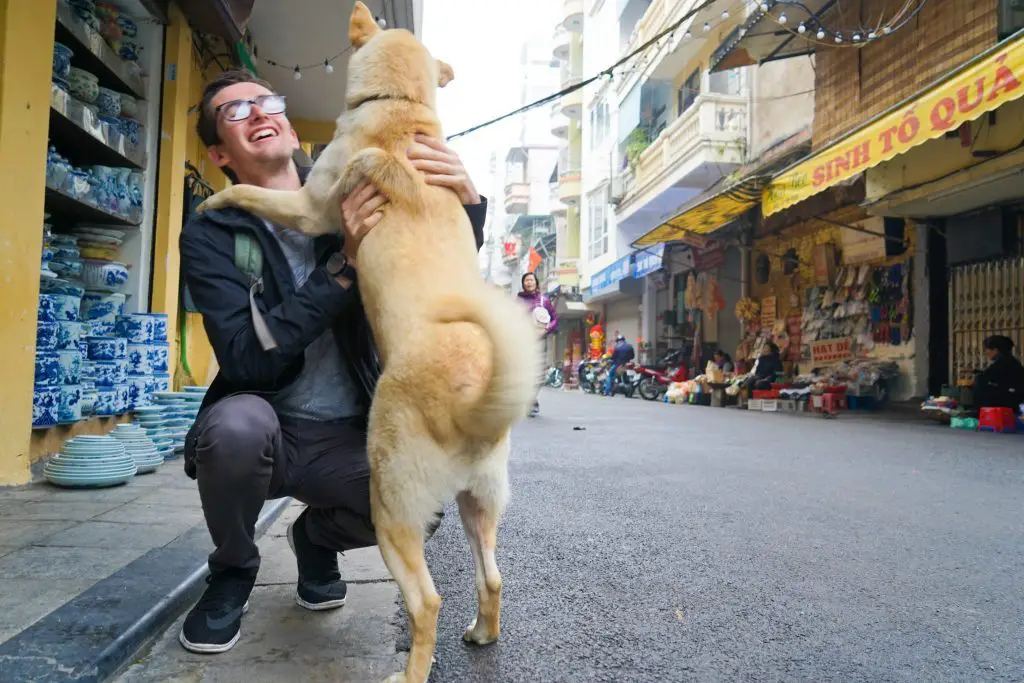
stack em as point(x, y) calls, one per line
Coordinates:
point(714, 120)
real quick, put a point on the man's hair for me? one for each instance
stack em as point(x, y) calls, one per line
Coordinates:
point(206, 126)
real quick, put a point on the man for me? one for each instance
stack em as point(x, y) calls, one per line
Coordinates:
point(289, 421)
point(621, 354)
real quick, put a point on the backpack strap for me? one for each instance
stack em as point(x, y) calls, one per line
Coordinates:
point(249, 261)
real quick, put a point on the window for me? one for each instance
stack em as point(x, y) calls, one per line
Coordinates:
point(688, 92)
point(600, 124)
point(598, 218)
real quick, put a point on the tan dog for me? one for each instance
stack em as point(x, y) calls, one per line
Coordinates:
point(460, 358)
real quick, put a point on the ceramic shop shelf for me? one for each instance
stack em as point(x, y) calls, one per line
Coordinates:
point(62, 204)
point(74, 128)
point(94, 55)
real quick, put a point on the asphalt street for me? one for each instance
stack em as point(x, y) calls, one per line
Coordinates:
point(652, 542)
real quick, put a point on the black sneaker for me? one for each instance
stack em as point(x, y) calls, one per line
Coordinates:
point(535, 410)
point(320, 586)
point(215, 622)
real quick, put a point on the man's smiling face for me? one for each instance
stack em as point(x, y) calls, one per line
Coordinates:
point(261, 140)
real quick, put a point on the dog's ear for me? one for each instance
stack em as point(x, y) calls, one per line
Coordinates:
point(362, 26)
point(445, 74)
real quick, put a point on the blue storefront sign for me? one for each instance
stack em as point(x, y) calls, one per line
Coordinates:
point(607, 279)
point(648, 260)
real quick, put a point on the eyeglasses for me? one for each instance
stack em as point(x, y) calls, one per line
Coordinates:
point(240, 110)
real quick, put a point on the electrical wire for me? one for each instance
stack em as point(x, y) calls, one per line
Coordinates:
point(607, 72)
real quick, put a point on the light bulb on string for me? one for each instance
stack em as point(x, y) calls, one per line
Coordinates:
point(783, 18)
point(871, 36)
point(327, 67)
point(297, 74)
point(801, 29)
point(707, 26)
point(839, 37)
point(687, 34)
point(821, 34)
point(886, 30)
point(764, 6)
point(725, 14)
point(856, 37)
point(382, 22)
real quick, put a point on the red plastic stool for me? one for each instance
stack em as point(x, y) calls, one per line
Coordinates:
point(998, 420)
point(831, 403)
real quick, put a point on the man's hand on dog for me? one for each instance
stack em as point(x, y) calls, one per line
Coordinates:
point(360, 210)
point(442, 167)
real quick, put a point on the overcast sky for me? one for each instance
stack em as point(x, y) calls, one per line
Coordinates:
point(481, 40)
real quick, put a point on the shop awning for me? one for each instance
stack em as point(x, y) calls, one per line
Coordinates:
point(978, 87)
point(763, 38)
point(707, 212)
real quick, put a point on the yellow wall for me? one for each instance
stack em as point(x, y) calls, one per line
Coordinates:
point(26, 49)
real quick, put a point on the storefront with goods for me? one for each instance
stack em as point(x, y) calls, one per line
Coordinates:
point(97, 188)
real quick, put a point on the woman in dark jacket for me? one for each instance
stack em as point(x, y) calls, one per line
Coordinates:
point(1001, 384)
point(769, 364)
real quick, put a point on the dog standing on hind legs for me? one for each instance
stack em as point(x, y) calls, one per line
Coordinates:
point(459, 357)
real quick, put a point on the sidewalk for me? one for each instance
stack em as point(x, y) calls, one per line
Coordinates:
point(88, 576)
point(283, 642)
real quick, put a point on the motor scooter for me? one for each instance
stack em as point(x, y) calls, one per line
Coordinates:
point(655, 379)
point(626, 380)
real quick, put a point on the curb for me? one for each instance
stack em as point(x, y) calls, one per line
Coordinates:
point(73, 642)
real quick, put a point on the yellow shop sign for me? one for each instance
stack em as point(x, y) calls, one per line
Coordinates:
point(978, 88)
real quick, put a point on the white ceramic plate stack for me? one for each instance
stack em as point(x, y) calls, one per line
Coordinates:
point(139, 446)
point(153, 421)
point(90, 462)
point(175, 416)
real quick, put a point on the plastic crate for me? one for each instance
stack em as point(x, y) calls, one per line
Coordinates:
point(754, 404)
point(770, 406)
point(787, 405)
point(765, 394)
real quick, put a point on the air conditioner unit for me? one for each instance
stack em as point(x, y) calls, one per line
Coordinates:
point(618, 190)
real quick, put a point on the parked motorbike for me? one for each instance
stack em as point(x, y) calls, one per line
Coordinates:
point(554, 377)
point(627, 380)
point(591, 374)
point(656, 379)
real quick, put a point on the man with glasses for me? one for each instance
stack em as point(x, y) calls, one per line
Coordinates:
point(288, 420)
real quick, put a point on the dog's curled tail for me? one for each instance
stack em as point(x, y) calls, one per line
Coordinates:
point(516, 360)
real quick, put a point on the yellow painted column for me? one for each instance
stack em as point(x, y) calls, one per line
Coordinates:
point(174, 140)
point(26, 58)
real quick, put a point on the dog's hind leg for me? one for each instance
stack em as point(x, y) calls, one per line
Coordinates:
point(480, 507)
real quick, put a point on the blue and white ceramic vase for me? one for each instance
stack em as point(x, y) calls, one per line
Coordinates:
point(137, 328)
point(48, 370)
point(158, 383)
point(157, 357)
point(69, 333)
point(137, 396)
point(159, 326)
point(45, 406)
point(110, 373)
point(138, 359)
point(70, 366)
point(106, 401)
point(70, 409)
point(47, 337)
point(56, 307)
point(107, 348)
point(123, 393)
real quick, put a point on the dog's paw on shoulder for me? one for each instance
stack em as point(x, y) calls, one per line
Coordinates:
point(211, 203)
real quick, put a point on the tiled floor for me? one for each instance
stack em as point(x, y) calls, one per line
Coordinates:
point(56, 543)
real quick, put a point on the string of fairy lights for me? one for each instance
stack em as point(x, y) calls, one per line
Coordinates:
point(327, 64)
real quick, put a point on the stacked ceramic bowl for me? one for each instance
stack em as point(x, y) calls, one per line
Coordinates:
point(180, 410)
point(151, 420)
point(138, 444)
point(148, 355)
point(58, 363)
point(90, 462)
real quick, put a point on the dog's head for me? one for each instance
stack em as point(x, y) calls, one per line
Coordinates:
point(390, 64)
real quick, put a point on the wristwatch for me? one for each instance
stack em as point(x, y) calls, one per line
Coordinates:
point(338, 266)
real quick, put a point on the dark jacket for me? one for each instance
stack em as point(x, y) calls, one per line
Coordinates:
point(1001, 384)
point(295, 317)
point(623, 353)
point(768, 366)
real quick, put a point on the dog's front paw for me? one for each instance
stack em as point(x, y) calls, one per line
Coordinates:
point(217, 201)
point(477, 634)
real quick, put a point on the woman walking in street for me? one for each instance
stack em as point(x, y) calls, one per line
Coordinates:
point(543, 313)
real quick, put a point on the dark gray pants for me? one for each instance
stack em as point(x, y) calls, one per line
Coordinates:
point(245, 454)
